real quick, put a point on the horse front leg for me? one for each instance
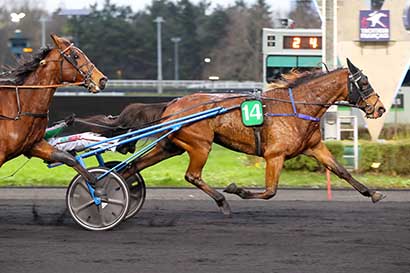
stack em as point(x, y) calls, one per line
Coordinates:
point(47, 152)
point(274, 165)
point(323, 155)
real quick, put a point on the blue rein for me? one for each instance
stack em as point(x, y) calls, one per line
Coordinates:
point(295, 113)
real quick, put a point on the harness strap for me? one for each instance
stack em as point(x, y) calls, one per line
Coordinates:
point(18, 88)
point(18, 116)
point(295, 113)
point(19, 113)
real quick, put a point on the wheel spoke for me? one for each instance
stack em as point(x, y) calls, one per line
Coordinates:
point(135, 195)
point(84, 206)
point(83, 186)
point(115, 202)
point(100, 213)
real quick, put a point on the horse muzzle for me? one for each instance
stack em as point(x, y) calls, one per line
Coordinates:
point(93, 87)
point(375, 112)
point(380, 111)
point(103, 82)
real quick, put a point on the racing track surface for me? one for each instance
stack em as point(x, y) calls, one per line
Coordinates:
point(174, 235)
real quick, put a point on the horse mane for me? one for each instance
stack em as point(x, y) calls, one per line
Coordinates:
point(295, 78)
point(18, 75)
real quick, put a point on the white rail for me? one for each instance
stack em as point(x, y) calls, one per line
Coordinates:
point(187, 84)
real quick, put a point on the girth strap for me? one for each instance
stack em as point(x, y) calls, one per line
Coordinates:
point(258, 139)
point(19, 113)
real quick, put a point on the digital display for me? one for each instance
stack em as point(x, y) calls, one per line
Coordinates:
point(302, 42)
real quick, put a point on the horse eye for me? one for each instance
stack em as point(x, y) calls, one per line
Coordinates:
point(76, 56)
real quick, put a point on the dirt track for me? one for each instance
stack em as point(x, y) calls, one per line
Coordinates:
point(191, 236)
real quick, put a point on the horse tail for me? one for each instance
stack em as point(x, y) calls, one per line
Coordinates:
point(136, 116)
point(139, 115)
point(133, 117)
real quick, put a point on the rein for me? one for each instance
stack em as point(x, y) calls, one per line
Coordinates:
point(246, 96)
point(200, 104)
point(41, 86)
point(256, 95)
point(79, 120)
point(166, 117)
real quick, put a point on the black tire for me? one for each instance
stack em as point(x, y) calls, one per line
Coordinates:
point(112, 209)
point(137, 189)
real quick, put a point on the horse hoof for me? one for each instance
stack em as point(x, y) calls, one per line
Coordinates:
point(226, 210)
point(231, 188)
point(377, 196)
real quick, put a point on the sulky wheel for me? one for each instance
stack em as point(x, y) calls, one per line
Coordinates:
point(137, 190)
point(136, 186)
point(112, 209)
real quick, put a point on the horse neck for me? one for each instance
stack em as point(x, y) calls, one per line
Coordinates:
point(326, 89)
point(40, 98)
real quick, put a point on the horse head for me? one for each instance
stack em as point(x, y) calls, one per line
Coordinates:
point(361, 93)
point(75, 66)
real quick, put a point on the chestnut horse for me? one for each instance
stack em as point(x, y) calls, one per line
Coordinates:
point(26, 98)
point(289, 128)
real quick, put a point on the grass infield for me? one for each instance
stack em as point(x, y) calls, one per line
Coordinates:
point(222, 168)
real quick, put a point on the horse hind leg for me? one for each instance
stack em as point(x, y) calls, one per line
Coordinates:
point(273, 167)
point(197, 160)
point(218, 197)
point(162, 151)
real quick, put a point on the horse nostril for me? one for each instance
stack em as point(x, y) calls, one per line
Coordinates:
point(381, 111)
point(103, 82)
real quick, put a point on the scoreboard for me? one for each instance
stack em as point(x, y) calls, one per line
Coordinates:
point(302, 42)
point(284, 49)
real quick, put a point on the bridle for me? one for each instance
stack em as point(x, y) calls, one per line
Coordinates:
point(71, 59)
point(360, 92)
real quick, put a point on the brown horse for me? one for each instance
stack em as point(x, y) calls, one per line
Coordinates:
point(281, 137)
point(26, 98)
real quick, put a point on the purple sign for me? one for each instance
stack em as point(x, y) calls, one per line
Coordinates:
point(406, 17)
point(375, 25)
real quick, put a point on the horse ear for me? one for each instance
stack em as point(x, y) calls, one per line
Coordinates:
point(55, 39)
point(353, 69)
point(59, 42)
